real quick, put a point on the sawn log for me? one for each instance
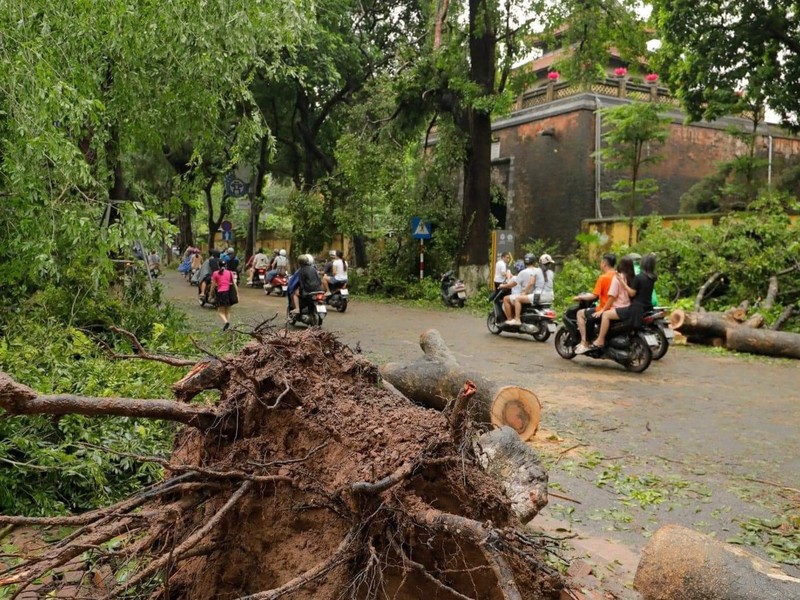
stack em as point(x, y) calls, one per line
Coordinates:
point(706, 324)
point(436, 378)
point(679, 563)
point(764, 341)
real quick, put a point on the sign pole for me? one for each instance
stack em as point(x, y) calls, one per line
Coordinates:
point(421, 259)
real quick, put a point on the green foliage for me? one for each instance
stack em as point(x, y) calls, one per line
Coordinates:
point(711, 51)
point(59, 465)
point(747, 248)
point(633, 130)
point(575, 277)
point(780, 537)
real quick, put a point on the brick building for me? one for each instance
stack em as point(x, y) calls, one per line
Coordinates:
point(544, 169)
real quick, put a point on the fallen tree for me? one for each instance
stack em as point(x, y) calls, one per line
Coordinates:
point(681, 563)
point(764, 341)
point(436, 377)
point(305, 477)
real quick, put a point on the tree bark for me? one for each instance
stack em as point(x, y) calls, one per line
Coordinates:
point(437, 378)
point(17, 399)
point(681, 563)
point(755, 322)
point(701, 324)
point(503, 455)
point(764, 341)
point(787, 314)
point(701, 293)
point(772, 292)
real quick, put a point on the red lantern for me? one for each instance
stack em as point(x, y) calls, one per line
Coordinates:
point(651, 77)
point(553, 75)
point(620, 71)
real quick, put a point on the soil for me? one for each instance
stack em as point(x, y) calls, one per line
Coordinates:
point(680, 443)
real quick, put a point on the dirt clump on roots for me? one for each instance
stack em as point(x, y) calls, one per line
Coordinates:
point(318, 482)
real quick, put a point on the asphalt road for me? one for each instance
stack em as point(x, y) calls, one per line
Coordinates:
point(680, 443)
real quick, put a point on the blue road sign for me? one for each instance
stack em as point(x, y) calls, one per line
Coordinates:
point(421, 230)
point(227, 236)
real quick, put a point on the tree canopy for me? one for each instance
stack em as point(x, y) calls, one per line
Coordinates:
point(713, 51)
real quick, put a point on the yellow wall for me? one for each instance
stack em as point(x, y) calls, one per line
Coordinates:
point(615, 230)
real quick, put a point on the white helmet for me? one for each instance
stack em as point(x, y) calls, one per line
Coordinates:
point(282, 253)
point(546, 259)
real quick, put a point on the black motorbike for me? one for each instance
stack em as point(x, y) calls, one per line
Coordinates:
point(657, 331)
point(537, 320)
point(312, 310)
point(453, 291)
point(624, 345)
point(339, 295)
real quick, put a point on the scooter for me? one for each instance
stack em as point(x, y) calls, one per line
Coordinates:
point(339, 296)
point(624, 345)
point(654, 323)
point(312, 310)
point(278, 284)
point(258, 278)
point(453, 291)
point(538, 320)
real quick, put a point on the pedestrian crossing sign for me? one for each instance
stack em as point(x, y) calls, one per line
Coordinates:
point(421, 230)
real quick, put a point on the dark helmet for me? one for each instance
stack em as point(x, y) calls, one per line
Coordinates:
point(529, 259)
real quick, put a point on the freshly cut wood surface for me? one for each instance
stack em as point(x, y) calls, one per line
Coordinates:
point(436, 378)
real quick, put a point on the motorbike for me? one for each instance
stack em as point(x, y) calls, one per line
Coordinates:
point(453, 291)
point(278, 284)
point(258, 278)
point(654, 324)
point(205, 299)
point(538, 320)
point(339, 296)
point(312, 310)
point(629, 347)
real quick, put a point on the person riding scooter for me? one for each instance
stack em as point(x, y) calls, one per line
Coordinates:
point(279, 265)
point(306, 279)
point(525, 280)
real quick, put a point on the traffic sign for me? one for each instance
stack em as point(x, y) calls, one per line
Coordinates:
point(421, 230)
point(227, 236)
point(237, 182)
point(226, 226)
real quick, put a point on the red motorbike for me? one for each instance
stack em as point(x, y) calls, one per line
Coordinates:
point(278, 284)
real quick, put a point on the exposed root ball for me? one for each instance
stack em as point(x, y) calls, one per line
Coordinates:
point(317, 483)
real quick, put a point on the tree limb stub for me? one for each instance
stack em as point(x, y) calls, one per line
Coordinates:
point(436, 378)
point(143, 354)
point(701, 293)
point(17, 399)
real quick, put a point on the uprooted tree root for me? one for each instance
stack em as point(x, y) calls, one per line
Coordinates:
point(308, 479)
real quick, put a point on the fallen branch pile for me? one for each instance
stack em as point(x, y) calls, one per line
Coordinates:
point(306, 479)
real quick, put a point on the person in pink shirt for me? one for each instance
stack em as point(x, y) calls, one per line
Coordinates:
point(621, 299)
point(222, 279)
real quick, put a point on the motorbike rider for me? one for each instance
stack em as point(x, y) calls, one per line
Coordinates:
point(154, 263)
point(206, 270)
point(600, 293)
point(258, 261)
point(523, 284)
point(531, 281)
point(501, 272)
point(328, 269)
point(620, 300)
point(542, 292)
point(338, 275)
point(280, 265)
point(305, 279)
point(637, 267)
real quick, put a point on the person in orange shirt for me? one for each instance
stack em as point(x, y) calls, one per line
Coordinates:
point(600, 293)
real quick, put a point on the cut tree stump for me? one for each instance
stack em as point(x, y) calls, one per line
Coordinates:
point(681, 564)
point(436, 378)
point(764, 341)
point(756, 321)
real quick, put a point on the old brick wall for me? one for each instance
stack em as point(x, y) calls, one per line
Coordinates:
point(552, 176)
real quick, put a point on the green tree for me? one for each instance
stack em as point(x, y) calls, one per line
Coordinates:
point(633, 130)
point(712, 49)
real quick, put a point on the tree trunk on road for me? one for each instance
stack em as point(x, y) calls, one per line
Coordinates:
point(764, 341)
point(436, 378)
point(701, 324)
point(679, 563)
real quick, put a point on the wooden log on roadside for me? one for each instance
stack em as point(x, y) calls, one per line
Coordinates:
point(737, 313)
point(763, 341)
point(756, 321)
point(436, 378)
point(787, 314)
point(503, 455)
point(708, 324)
point(679, 563)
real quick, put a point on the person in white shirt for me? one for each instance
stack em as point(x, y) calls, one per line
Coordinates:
point(338, 270)
point(524, 280)
point(259, 261)
point(542, 292)
point(501, 272)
